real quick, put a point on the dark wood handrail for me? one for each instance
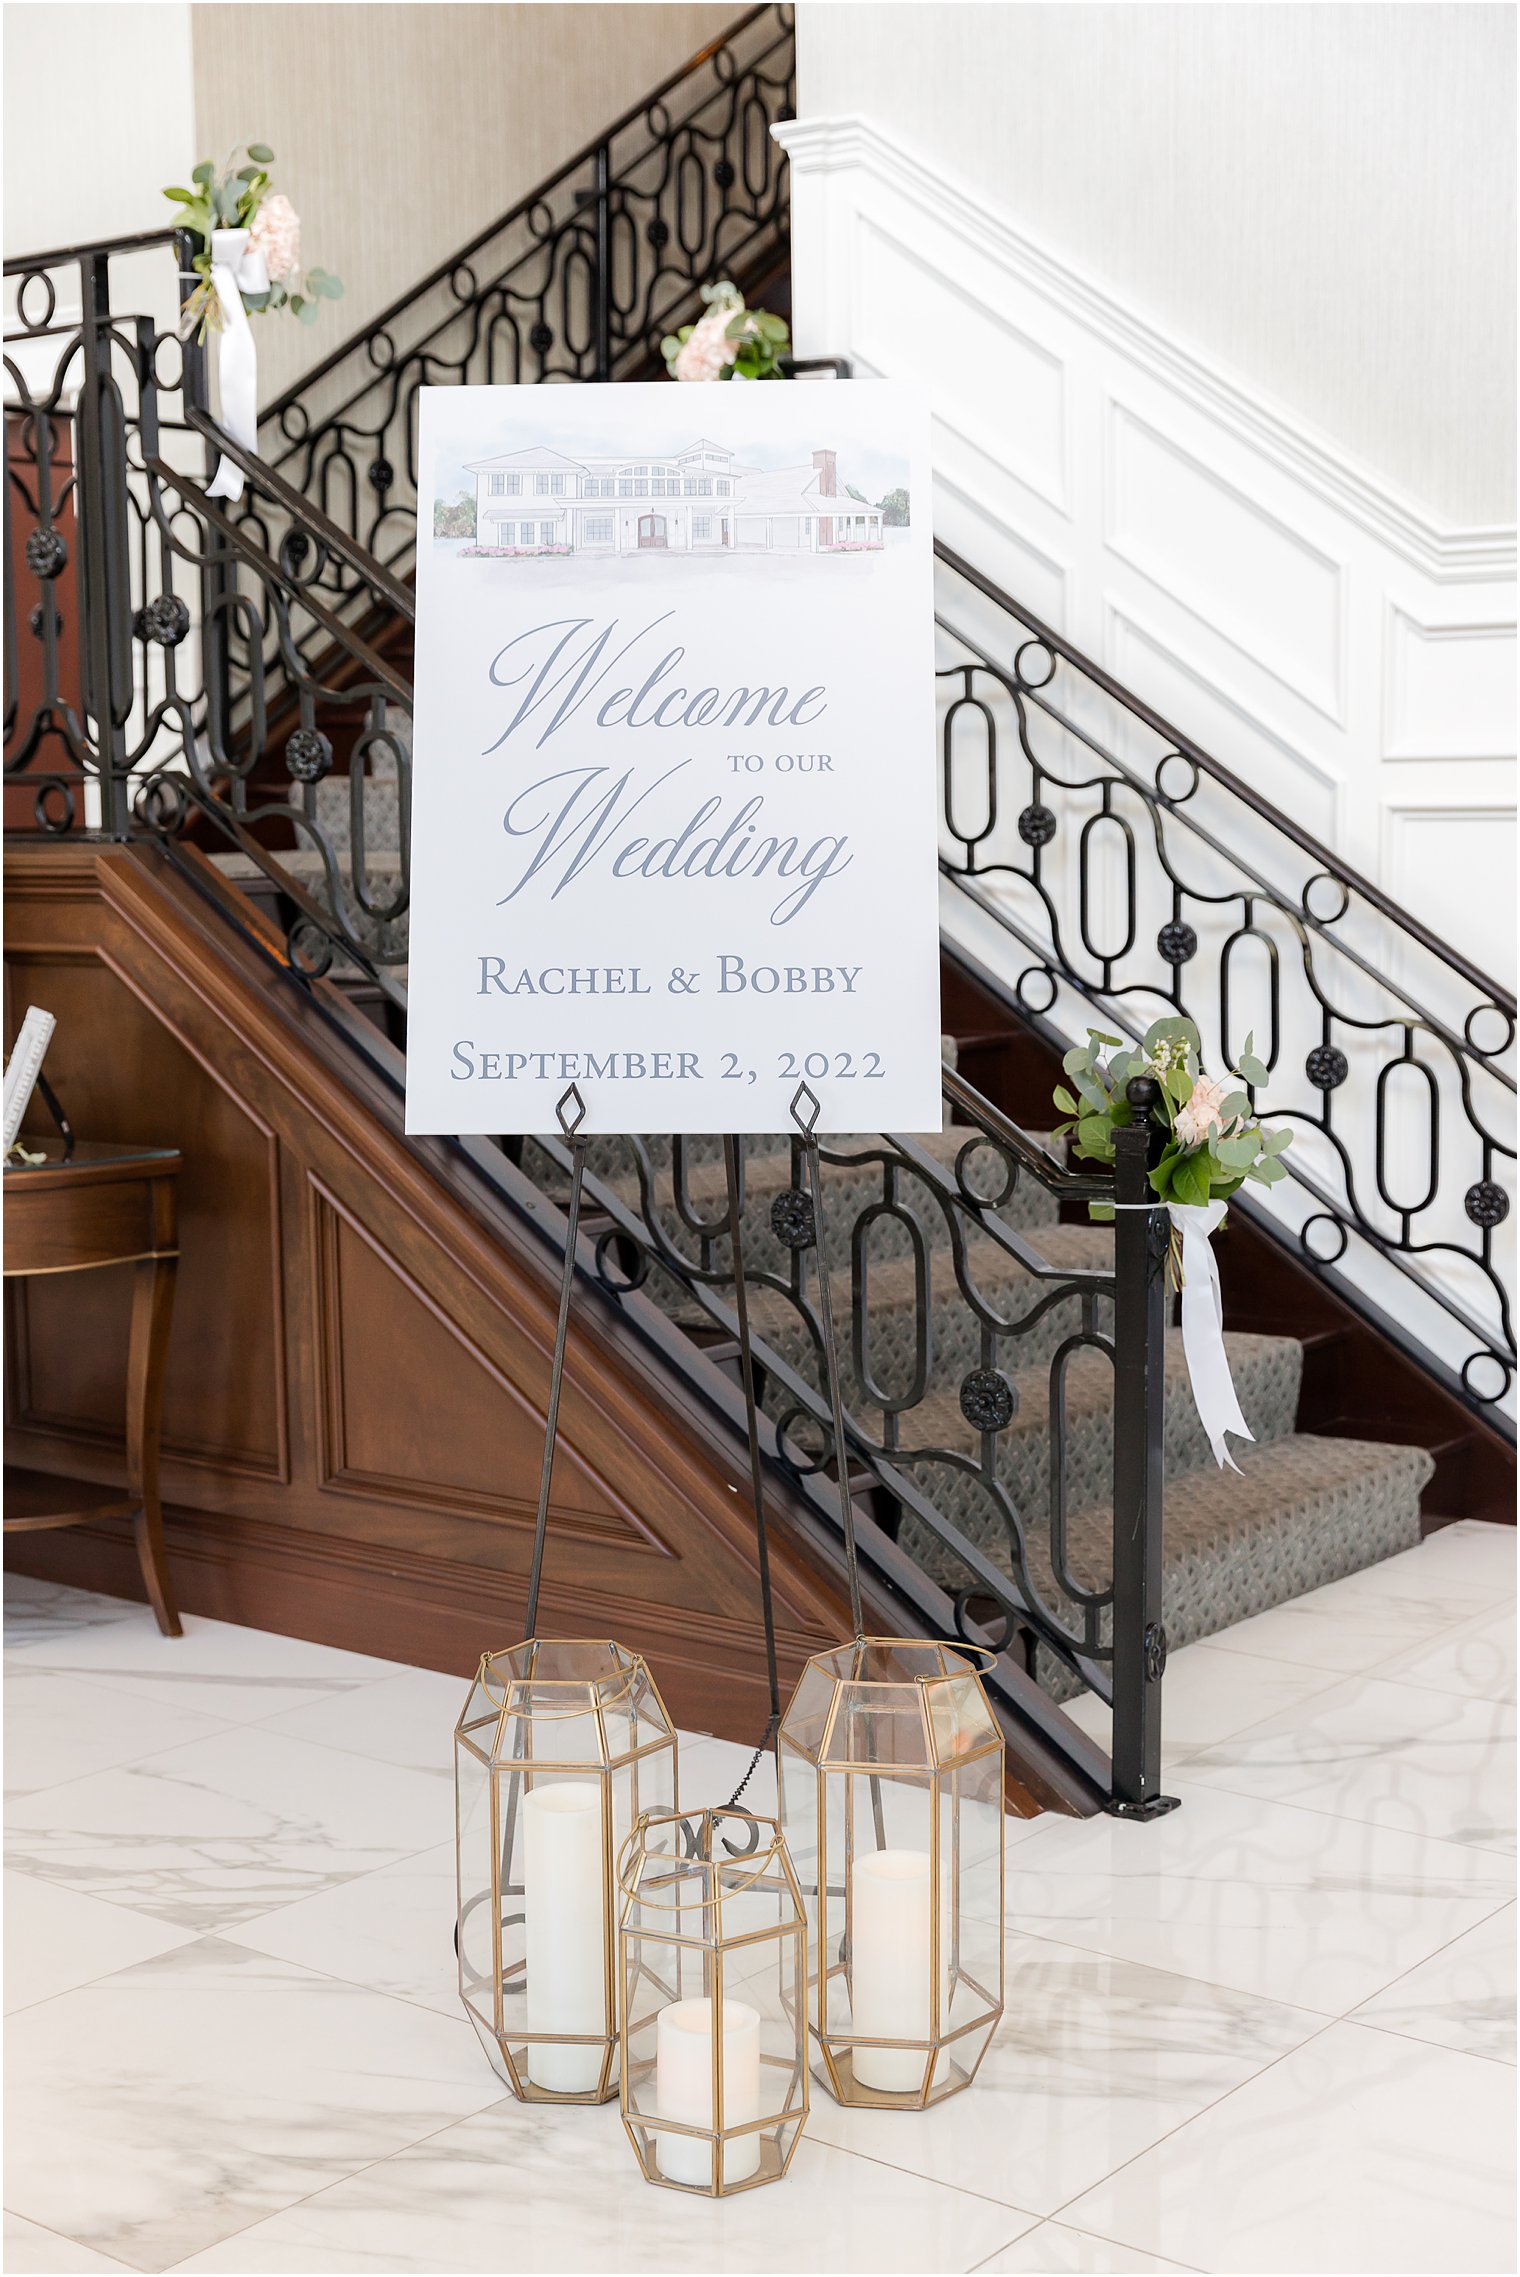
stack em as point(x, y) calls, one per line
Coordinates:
point(25, 264)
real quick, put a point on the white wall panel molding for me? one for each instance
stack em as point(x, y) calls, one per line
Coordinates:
point(821, 148)
point(1449, 688)
point(1338, 647)
point(1258, 582)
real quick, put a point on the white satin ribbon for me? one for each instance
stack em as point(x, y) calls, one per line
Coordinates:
point(236, 268)
point(1203, 1329)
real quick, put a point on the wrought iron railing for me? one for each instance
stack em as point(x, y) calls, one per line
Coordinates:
point(156, 729)
point(1108, 868)
point(941, 1518)
point(155, 648)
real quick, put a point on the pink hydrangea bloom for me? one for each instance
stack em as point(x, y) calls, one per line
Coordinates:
point(707, 355)
point(1202, 1113)
point(275, 231)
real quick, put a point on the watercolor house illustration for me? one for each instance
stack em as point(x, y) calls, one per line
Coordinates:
point(697, 500)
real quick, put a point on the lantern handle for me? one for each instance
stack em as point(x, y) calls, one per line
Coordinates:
point(806, 1107)
point(570, 1110)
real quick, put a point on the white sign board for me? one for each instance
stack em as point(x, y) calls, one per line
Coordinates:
point(674, 827)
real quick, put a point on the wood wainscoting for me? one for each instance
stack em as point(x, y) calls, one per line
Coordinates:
point(354, 1412)
point(360, 1354)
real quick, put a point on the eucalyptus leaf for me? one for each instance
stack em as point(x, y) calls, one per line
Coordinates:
point(1252, 1071)
point(204, 173)
point(262, 152)
point(1063, 1099)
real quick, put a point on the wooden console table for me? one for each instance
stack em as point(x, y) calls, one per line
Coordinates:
point(105, 1205)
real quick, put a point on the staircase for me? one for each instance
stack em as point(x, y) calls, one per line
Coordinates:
point(909, 1317)
point(207, 770)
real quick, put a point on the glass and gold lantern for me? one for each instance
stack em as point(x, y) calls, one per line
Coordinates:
point(891, 1777)
point(559, 1749)
point(713, 1960)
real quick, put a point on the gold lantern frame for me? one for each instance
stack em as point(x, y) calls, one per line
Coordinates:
point(691, 1898)
point(548, 1711)
point(912, 1713)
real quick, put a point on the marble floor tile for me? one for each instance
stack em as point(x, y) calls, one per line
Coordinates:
point(1476, 1661)
point(1095, 2059)
point(523, 2188)
point(1393, 1755)
point(407, 1717)
point(1463, 1997)
point(38, 1611)
point(238, 1674)
point(1356, 2152)
point(1210, 1695)
point(1349, 1627)
point(55, 1939)
point(392, 1930)
point(1471, 1556)
point(32, 2251)
point(58, 1727)
point(227, 1828)
point(1293, 1905)
point(1052, 2250)
point(172, 2104)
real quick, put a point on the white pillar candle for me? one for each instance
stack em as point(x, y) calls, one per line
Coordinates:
point(565, 1905)
point(890, 1927)
point(684, 2088)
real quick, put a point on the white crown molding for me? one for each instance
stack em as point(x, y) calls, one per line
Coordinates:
point(1441, 550)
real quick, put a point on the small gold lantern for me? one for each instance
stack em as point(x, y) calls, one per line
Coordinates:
point(712, 1928)
point(559, 1749)
point(891, 1784)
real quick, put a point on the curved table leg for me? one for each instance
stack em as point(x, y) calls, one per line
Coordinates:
point(152, 1311)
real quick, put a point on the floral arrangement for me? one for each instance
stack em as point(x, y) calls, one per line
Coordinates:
point(729, 342)
point(239, 197)
point(1213, 1141)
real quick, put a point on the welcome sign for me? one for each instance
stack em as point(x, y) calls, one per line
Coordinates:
point(674, 830)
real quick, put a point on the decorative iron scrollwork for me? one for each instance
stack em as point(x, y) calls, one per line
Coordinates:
point(1327, 1067)
point(46, 554)
point(164, 620)
point(308, 755)
point(1178, 943)
point(1155, 1652)
point(988, 1400)
point(1486, 1203)
point(1037, 826)
point(792, 1219)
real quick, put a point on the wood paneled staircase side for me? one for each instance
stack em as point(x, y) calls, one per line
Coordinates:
point(361, 1346)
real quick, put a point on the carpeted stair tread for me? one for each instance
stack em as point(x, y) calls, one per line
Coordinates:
point(1303, 1511)
point(937, 1420)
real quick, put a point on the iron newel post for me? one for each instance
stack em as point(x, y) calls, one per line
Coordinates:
point(1140, 1248)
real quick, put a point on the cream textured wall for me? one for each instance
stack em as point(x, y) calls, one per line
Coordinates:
point(401, 130)
point(1320, 196)
point(98, 118)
